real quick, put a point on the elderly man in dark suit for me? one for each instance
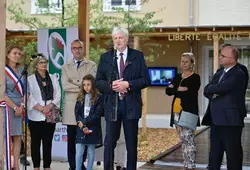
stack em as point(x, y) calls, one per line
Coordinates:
point(121, 75)
point(226, 111)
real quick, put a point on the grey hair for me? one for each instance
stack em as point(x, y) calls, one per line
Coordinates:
point(38, 59)
point(234, 50)
point(117, 30)
point(191, 58)
point(77, 41)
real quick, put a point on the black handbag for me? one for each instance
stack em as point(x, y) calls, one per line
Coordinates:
point(54, 116)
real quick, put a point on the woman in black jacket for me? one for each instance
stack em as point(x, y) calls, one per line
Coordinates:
point(185, 89)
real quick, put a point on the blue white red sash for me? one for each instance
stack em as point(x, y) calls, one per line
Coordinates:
point(12, 75)
point(7, 135)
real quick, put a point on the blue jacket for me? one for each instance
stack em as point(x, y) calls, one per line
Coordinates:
point(136, 73)
point(228, 107)
point(93, 122)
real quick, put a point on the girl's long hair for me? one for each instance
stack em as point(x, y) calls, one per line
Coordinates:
point(94, 92)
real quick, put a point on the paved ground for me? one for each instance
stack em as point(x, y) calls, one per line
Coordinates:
point(56, 165)
point(173, 160)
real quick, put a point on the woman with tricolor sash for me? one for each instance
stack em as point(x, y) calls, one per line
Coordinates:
point(14, 97)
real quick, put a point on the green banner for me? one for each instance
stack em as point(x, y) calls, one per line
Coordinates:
point(57, 50)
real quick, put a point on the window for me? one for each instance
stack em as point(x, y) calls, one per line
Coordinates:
point(109, 5)
point(130, 2)
point(41, 6)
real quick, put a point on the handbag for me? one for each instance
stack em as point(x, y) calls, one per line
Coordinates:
point(54, 116)
point(188, 120)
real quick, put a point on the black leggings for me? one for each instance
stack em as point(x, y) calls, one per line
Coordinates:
point(41, 131)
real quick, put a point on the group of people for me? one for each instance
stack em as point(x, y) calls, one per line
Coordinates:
point(113, 90)
point(225, 112)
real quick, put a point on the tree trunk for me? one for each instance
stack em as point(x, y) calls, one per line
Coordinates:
point(63, 13)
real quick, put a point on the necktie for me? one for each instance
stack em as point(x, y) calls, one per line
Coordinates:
point(121, 65)
point(222, 75)
point(78, 64)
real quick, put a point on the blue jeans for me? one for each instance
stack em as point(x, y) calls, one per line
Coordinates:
point(79, 153)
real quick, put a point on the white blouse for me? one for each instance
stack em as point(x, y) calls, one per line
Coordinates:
point(35, 97)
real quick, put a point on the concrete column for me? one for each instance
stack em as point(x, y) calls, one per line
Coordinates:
point(216, 54)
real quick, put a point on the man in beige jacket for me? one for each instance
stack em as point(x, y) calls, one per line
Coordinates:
point(72, 74)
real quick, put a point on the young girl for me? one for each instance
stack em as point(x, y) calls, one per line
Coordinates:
point(88, 116)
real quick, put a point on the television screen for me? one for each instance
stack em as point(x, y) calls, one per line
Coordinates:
point(161, 76)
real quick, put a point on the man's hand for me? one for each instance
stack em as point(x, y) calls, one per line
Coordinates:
point(80, 124)
point(214, 96)
point(120, 86)
point(171, 86)
point(182, 88)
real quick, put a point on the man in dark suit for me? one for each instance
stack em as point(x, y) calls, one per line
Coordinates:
point(121, 76)
point(226, 111)
point(243, 68)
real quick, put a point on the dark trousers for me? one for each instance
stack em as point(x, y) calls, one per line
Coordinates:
point(228, 139)
point(112, 135)
point(71, 132)
point(41, 131)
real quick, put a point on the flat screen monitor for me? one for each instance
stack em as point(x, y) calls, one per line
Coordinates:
point(161, 76)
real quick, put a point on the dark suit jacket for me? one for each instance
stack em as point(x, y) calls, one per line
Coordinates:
point(244, 69)
point(228, 108)
point(207, 118)
point(189, 98)
point(136, 73)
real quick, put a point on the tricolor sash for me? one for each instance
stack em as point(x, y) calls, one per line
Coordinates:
point(12, 75)
point(7, 135)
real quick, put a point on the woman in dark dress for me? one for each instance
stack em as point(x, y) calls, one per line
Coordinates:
point(185, 89)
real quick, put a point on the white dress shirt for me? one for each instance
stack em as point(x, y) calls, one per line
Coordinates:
point(76, 62)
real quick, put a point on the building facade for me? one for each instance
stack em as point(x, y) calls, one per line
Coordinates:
point(198, 26)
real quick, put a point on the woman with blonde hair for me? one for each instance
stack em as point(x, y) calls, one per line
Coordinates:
point(14, 97)
point(185, 87)
point(44, 94)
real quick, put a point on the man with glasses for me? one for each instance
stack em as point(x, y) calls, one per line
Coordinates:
point(226, 111)
point(72, 74)
point(239, 65)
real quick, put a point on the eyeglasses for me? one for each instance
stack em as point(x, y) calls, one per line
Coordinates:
point(76, 48)
point(223, 56)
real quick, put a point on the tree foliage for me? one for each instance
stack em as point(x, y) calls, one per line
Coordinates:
point(99, 21)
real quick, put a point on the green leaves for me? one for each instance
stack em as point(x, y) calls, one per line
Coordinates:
point(101, 23)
